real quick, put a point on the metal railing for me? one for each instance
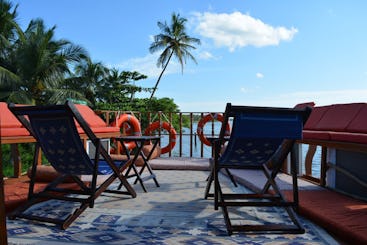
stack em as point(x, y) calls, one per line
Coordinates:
point(187, 141)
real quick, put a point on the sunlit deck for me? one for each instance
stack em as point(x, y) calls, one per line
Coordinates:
point(174, 213)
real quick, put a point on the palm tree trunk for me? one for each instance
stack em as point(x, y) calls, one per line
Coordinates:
point(159, 78)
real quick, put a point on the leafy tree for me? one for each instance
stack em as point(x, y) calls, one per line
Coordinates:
point(175, 42)
point(9, 28)
point(38, 64)
point(119, 87)
point(9, 31)
point(88, 76)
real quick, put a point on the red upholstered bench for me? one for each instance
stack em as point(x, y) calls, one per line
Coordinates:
point(9, 125)
point(339, 123)
point(12, 129)
point(343, 216)
point(95, 122)
point(344, 127)
point(12, 132)
point(16, 189)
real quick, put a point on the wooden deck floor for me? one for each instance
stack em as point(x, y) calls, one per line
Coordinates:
point(342, 216)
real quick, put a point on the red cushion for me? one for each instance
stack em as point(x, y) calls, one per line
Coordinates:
point(315, 117)
point(104, 129)
point(8, 120)
point(338, 117)
point(348, 137)
point(344, 216)
point(95, 122)
point(359, 123)
point(16, 191)
point(90, 116)
point(8, 132)
point(303, 105)
point(316, 135)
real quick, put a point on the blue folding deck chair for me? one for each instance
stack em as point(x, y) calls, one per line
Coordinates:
point(261, 138)
point(55, 131)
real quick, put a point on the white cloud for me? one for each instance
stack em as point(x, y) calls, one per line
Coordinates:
point(329, 97)
point(320, 98)
point(147, 65)
point(244, 90)
point(204, 106)
point(205, 55)
point(238, 30)
point(259, 75)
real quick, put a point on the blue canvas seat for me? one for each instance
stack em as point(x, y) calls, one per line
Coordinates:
point(56, 134)
point(261, 139)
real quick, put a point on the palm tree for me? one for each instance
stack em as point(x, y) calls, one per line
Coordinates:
point(90, 75)
point(8, 27)
point(174, 41)
point(9, 32)
point(39, 64)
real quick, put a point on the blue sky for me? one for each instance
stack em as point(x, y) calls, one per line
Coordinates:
point(265, 53)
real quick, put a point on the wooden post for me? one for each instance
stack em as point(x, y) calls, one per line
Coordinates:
point(180, 122)
point(17, 163)
point(169, 135)
point(323, 166)
point(3, 231)
point(191, 133)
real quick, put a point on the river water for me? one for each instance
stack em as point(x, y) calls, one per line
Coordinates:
point(196, 148)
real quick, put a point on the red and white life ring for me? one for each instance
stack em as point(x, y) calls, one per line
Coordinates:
point(163, 125)
point(128, 125)
point(204, 120)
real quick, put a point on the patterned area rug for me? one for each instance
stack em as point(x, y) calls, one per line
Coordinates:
point(174, 213)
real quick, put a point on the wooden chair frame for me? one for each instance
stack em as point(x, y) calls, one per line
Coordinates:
point(62, 118)
point(270, 195)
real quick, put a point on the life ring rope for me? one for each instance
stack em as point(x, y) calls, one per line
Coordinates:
point(204, 120)
point(129, 124)
point(166, 126)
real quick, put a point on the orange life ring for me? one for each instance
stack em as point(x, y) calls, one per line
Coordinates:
point(204, 120)
point(172, 134)
point(129, 125)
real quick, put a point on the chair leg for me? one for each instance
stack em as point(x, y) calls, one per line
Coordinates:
point(209, 184)
point(225, 212)
point(128, 187)
point(277, 200)
point(138, 177)
point(231, 177)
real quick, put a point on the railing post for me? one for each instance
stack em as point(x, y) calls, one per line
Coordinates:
point(107, 115)
point(191, 133)
point(201, 143)
point(160, 123)
point(17, 163)
point(3, 231)
point(169, 135)
point(323, 166)
point(149, 119)
point(180, 145)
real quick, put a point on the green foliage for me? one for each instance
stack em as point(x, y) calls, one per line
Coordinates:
point(37, 68)
point(35, 65)
point(26, 152)
point(145, 106)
